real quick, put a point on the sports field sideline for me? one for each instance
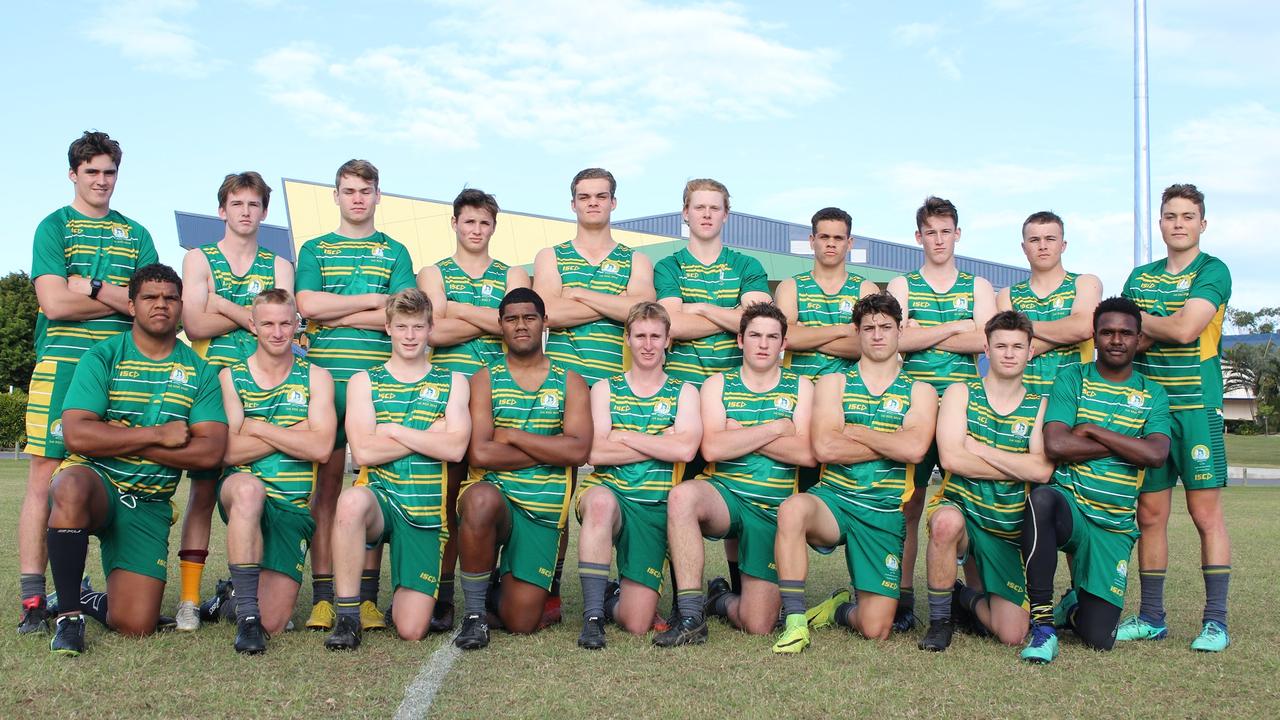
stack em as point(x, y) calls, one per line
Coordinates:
point(733, 675)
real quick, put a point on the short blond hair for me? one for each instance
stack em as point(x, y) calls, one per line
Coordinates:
point(648, 310)
point(362, 169)
point(411, 301)
point(705, 184)
point(274, 296)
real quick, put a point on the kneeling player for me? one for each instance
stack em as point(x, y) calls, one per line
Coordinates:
point(1105, 426)
point(531, 427)
point(755, 436)
point(142, 407)
point(870, 426)
point(646, 427)
point(989, 440)
point(281, 423)
point(406, 420)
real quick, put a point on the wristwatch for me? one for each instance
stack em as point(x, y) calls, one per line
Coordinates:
point(95, 287)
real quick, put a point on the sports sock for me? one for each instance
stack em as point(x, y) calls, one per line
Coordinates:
point(792, 596)
point(475, 589)
point(369, 582)
point(843, 612)
point(191, 571)
point(444, 594)
point(94, 604)
point(594, 577)
point(939, 603)
point(611, 606)
point(555, 579)
point(244, 578)
point(1216, 579)
point(68, 548)
point(735, 578)
point(32, 585)
point(689, 603)
point(907, 598)
point(349, 607)
point(321, 587)
point(1152, 607)
point(720, 608)
point(969, 597)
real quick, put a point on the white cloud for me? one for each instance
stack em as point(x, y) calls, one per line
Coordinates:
point(926, 36)
point(149, 34)
point(996, 178)
point(1234, 149)
point(916, 33)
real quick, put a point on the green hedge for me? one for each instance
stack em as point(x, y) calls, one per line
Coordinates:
point(13, 425)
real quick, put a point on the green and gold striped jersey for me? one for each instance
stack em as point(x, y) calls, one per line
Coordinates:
point(879, 485)
point(722, 283)
point(109, 249)
point(594, 350)
point(347, 266)
point(648, 481)
point(1191, 373)
point(756, 477)
point(287, 479)
point(937, 367)
point(818, 309)
point(416, 484)
point(116, 382)
point(1106, 489)
point(485, 291)
point(541, 492)
point(994, 505)
point(238, 344)
point(1057, 305)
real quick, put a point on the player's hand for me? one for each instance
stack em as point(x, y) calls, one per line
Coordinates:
point(785, 426)
point(502, 435)
point(173, 434)
point(910, 323)
point(387, 430)
point(732, 424)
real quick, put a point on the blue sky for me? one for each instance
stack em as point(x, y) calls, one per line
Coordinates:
point(1006, 107)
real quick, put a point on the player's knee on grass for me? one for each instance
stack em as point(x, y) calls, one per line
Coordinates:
point(134, 606)
point(875, 615)
point(635, 611)
point(411, 626)
point(520, 606)
point(1095, 621)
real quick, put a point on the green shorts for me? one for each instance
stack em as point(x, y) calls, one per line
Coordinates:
point(924, 468)
point(872, 543)
point(999, 561)
point(286, 535)
point(1101, 557)
point(135, 534)
point(49, 382)
point(529, 552)
point(1197, 453)
point(809, 476)
point(340, 408)
point(415, 552)
point(641, 541)
point(755, 530)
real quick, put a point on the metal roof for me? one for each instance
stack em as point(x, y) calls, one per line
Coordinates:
point(195, 230)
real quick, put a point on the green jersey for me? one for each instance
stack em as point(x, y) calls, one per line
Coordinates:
point(1057, 305)
point(881, 485)
point(285, 478)
point(649, 481)
point(1106, 489)
point(928, 307)
point(1190, 373)
point(594, 350)
point(109, 249)
point(347, 266)
point(485, 291)
point(756, 477)
point(238, 344)
point(415, 483)
point(818, 309)
point(116, 382)
point(541, 492)
point(722, 283)
point(994, 505)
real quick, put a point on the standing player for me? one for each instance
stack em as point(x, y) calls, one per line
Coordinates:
point(871, 424)
point(141, 408)
point(407, 420)
point(530, 427)
point(344, 280)
point(755, 435)
point(647, 425)
point(81, 261)
point(1105, 425)
point(465, 290)
point(280, 424)
point(1183, 299)
point(991, 447)
point(945, 311)
point(1060, 304)
point(220, 282)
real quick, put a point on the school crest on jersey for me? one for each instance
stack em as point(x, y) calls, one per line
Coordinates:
point(1184, 284)
point(661, 408)
point(118, 232)
point(961, 303)
point(846, 306)
point(255, 287)
point(891, 561)
point(892, 404)
point(178, 375)
point(1200, 452)
point(56, 429)
point(609, 267)
point(429, 393)
point(296, 398)
point(1135, 400)
point(486, 290)
point(549, 400)
point(1058, 304)
point(1020, 429)
point(377, 252)
point(783, 403)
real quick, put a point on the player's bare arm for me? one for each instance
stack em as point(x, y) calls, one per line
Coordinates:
point(616, 307)
point(447, 438)
point(680, 442)
point(914, 337)
point(686, 323)
point(795, 449)
point(561, 312)
point(485, 451)
point(1150, 451)
point(311, 439)
point(572, 446)
point(831, 444)
point(1032, 466)
point(724, 441)
point(1183, 326)
point(803, 337)
point(68, 298)
point(984, 306)
point(1078, 326)
point(909, 443)
point(445, 330)
point(241, 449)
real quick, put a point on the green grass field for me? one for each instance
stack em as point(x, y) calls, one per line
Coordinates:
point(1254, 450)
point(547, 675)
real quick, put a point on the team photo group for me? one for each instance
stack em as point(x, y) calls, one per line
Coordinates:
point(699, 403)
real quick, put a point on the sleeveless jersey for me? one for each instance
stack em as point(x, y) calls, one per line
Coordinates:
point(238, 344)
point(286, 478)
point(649, 481)
point(485, 291)
point(755, 477)
point(1057, 305)
point(594, 350)
point(937, 367)
point(818, 309)
point(994, 505)
point(881, 485)
point(415, 483)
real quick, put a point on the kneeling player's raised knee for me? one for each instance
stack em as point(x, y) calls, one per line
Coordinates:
point(480, 503)
point(597, 505)
point(946, 525)
point(72, 489)
point(245, 492)
point(353, 504)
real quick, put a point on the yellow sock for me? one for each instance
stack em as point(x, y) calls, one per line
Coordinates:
point(191, 573)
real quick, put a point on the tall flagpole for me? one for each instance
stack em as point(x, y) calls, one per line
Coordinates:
point(1141, 140)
